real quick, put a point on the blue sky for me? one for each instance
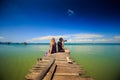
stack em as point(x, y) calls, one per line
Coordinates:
point(75, 20)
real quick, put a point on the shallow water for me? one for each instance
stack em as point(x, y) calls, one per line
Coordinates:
point(100, 61)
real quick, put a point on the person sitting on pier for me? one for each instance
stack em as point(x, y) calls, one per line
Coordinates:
point(61, 46)
point(52, 46)
point(52, 49)
point(62, 49)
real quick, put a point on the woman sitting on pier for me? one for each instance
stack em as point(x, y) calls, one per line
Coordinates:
point(52, 46)
point(52, 49)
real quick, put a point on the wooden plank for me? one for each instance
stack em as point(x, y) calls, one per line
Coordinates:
point(50, 73)
point(38, 68)
point(41, 64)
point(31, 76)
point(67, 65)
point(45, 70)
point(86, 78)
point(35, 71)
point(39, 76)
point(68, 74)
point(67, 70)
point(66, 78)
point(61, 60)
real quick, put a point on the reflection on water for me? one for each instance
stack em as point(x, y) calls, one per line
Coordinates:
point(100, 61)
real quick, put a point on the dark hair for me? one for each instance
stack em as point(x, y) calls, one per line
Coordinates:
point(61, 39)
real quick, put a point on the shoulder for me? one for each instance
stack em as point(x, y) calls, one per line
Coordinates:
point(59, 42)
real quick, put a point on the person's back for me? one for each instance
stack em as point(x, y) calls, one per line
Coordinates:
point(52, 46)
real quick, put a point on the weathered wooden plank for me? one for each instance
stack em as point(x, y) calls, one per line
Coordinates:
point(67, 65)
point(66, 74)
point(66, 78)
point(50, 73)
point(45, 70)
point(38, 68)
point(60, 62)
point(86, 78)
point(31, 76)
point(35, 71)
point(67, 70)
point(62, 59)
point(40, 76)
point(40, 64)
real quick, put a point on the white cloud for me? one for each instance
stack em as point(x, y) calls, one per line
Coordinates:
point(117, 37)
point(47, 38)
point(90, 40)
point(80, 40)
point(71, 37)
point(70, 12)
point(103, 40)
point(1, 37)
point(81, 37)
point(85, 36)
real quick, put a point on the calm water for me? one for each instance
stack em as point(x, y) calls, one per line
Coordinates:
point(101, 61)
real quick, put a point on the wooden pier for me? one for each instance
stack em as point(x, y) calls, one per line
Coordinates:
point(58, 66)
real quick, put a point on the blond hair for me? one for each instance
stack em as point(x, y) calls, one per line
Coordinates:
point(52, 41)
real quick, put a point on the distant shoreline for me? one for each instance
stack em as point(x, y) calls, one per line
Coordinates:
point(10, 43)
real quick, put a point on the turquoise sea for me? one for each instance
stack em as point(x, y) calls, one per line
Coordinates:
point(100, 61)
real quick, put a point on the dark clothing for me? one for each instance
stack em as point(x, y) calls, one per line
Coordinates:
point(60, 49)
point(54, 48)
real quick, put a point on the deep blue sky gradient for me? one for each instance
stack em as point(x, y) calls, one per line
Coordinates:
point(24, 19)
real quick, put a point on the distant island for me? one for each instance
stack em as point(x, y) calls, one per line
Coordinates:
point(25, 43)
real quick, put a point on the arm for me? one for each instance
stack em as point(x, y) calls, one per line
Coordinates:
point(63, 45)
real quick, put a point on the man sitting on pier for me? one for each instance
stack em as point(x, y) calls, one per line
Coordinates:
point(61, 46)
point(62, 49)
